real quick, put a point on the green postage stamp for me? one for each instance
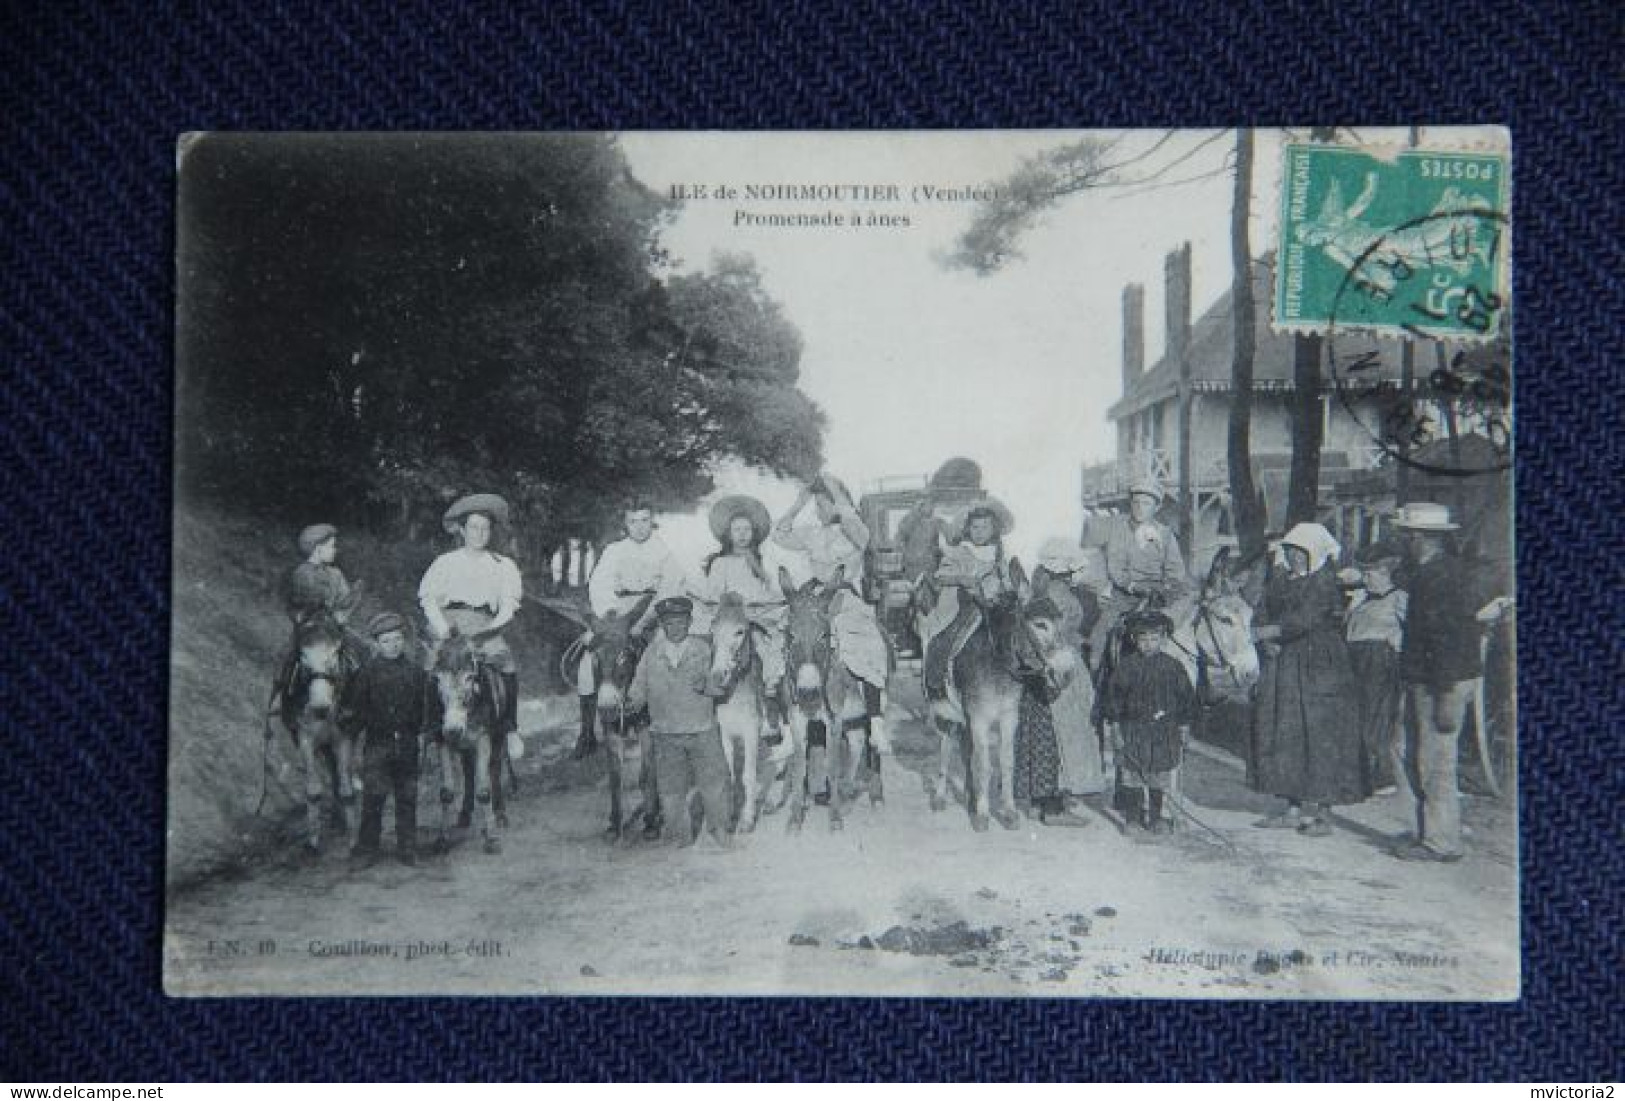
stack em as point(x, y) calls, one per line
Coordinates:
point(1411, 242)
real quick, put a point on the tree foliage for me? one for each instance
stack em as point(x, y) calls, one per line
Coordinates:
point(384, 323)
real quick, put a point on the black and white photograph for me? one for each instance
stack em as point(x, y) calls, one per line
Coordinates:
point(1030, 563)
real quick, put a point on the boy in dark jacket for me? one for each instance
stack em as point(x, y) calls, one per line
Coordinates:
point(389, 703)
point(1151, 704)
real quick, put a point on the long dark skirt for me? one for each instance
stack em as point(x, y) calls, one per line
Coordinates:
point(1306, 731)
point(1376, 676)
point(1038, 756)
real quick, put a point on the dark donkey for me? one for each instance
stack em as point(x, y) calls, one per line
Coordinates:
point(829, 703)
point(471, 707)
point(625, 736)
point(310, 711)
point(984, 700)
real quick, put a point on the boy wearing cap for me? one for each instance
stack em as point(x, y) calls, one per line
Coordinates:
point(1151, 704)
point(389, 704)
point(315, 587)
point(673, 680)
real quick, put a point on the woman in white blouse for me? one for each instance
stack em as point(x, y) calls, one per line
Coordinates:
point(474, 592)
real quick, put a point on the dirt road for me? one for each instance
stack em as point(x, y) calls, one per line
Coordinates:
point(903, 901)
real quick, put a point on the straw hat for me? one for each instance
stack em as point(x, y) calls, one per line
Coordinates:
point(726, 510)
point(1424, 516)
point(489, 503)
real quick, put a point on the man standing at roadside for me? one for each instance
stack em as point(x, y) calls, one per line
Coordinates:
point(1440, 664)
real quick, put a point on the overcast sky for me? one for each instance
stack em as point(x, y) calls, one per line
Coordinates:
point(914, 362)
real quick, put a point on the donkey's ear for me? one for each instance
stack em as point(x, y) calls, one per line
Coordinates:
point(786, 584)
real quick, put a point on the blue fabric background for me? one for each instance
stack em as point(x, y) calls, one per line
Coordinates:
point(95, 95)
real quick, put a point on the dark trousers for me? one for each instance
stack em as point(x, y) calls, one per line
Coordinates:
point(684, 762)
point(389, 768)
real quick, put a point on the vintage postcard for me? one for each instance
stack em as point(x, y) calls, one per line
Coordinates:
point(1028, 563)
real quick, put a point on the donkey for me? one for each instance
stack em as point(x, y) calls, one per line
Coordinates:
point(830, 714)
point(1212, 638)
point(310, 709)
point(471, 706)
point(625, 740)
point(984, 701)
point(736, 669)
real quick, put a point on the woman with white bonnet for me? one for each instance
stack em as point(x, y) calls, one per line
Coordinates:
point(1306, 735)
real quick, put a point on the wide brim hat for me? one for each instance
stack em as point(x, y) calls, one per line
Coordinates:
point(961, 516)
point(314, 536)
point(1425, 516)
point(489, 503)
point(740, 504)
point(957, 473)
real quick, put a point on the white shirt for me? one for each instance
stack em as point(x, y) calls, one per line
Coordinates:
point(479, 579)
point(626, 566)
point(828, 547)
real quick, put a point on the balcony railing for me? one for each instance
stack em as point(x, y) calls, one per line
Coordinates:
point(1105, 481)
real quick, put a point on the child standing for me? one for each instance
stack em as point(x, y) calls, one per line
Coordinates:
point(389, 703)
point(1376, 627)
point(673, 681)
point(1150, 703)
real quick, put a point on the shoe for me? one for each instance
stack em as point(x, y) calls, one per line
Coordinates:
point(1281, 821)
point(1421, 854)
point(1065, 819)
point(1315, 827)
point(1162, 827)
point(363, 857)
point(407, 857)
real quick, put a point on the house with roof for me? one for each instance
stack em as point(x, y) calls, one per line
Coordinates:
point(1361, 380)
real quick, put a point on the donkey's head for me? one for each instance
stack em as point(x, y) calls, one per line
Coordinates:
point(321, 665)
point(614, 651)
point(1223, 625)
point(457, 679)
point(730, 640)
point(808, 631)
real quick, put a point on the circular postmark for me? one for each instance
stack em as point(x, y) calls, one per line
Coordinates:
point(1457, 421)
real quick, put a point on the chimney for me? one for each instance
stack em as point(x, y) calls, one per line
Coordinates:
point(1177, 272)
point(1133, 335)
